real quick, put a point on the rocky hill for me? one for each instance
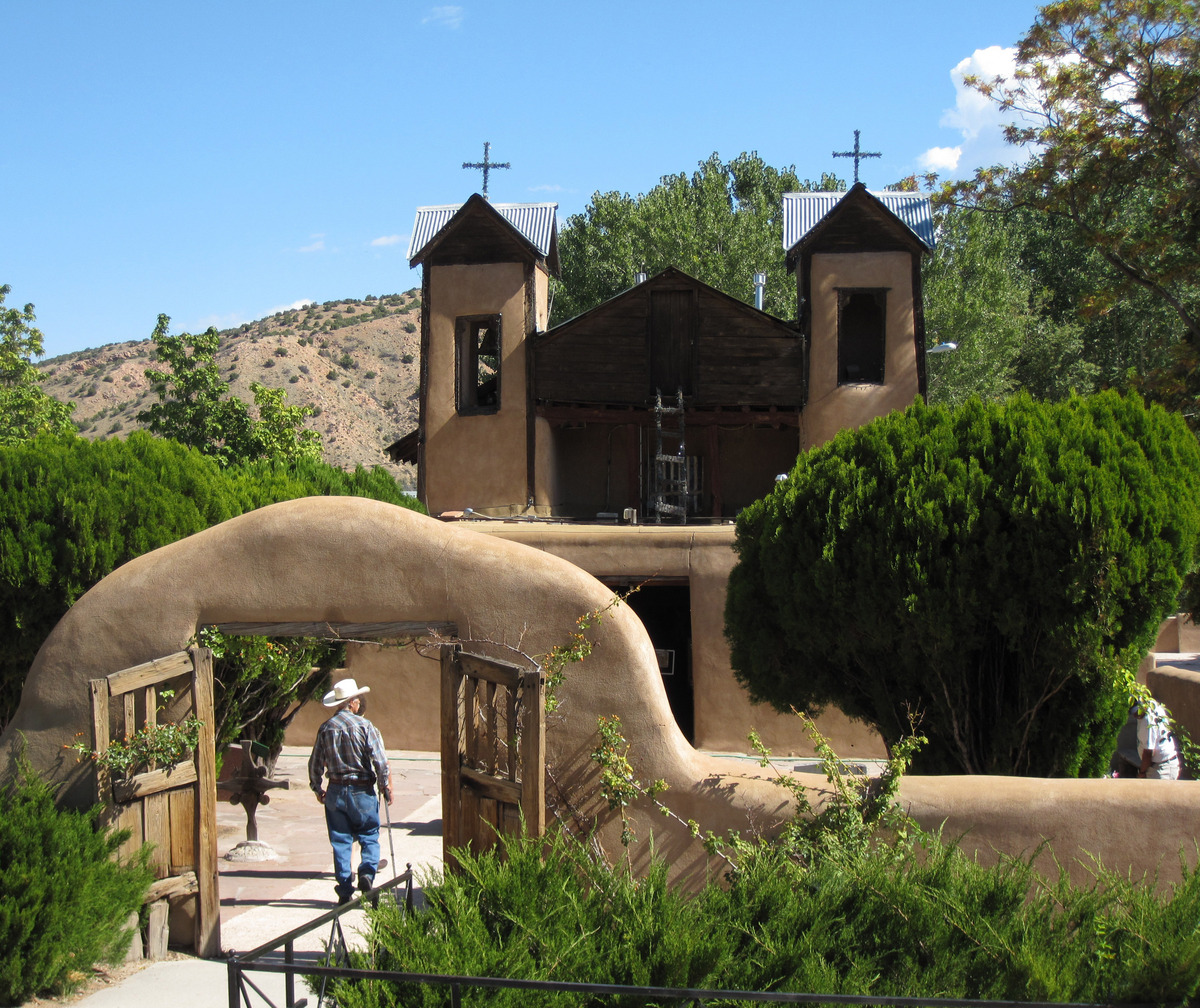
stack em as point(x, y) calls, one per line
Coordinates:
point(356, 362)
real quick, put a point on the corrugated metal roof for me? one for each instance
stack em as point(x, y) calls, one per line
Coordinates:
point(803, 211)
point(535, 221)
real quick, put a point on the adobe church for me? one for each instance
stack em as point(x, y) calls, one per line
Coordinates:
point(627, 439)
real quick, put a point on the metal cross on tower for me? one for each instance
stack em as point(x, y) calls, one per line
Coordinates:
point(857, 154)
point(487, 165)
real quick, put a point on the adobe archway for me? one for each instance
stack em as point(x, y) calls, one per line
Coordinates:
point(351, 560)
point(344, 560)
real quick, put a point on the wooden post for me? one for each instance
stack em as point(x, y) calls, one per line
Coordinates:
point(100, 739)
point(533, 751)
point(208, 915)
point(451, 799)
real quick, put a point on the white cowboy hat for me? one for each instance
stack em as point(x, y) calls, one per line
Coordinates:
point(342, 691)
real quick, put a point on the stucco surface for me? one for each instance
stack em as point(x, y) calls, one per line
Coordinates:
point(354, 560)
point(833, 407)
point(476, 461)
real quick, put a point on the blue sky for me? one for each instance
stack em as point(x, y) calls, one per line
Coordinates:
point(221, 161)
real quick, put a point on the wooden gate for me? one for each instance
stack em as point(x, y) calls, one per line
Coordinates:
point(493, 750)
point(174, 808)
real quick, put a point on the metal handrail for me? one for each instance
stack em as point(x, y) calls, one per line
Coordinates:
point(242, 964)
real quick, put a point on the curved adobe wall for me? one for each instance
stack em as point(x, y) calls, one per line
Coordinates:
point(353, 560)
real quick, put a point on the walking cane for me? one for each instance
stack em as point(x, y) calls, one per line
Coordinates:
point(387, 812)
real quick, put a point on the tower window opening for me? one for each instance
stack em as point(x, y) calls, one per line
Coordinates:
point(478, 350)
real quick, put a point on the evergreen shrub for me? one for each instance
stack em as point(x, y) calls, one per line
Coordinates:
point(64, 898)
point(920, 919)
point(996, 568)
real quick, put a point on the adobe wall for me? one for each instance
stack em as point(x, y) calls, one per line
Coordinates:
point(346, 559)
point(724, 715)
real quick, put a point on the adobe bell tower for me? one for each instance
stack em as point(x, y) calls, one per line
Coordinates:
point(485, 290)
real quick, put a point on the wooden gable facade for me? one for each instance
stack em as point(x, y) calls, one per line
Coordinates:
point(667, 334)
point(597, 381)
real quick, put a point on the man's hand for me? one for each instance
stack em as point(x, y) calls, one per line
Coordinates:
point(387, 794)
point(320, 796)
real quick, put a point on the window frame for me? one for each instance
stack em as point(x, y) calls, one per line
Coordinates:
point(844, 297)
point(467, 383)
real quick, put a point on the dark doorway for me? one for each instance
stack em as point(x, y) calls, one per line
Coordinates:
point(666, 612)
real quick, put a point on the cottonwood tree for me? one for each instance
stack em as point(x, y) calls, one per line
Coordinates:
point(197, 409)
point(1107, 94)
point(981, 295)
point(720, 224)
point(993, 568)
point(25, 409)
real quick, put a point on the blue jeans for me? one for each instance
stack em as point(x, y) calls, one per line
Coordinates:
point(352, 814)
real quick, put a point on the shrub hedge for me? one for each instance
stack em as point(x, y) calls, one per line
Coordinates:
point(64, 898)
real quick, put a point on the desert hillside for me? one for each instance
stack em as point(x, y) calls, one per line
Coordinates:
point(356, 362)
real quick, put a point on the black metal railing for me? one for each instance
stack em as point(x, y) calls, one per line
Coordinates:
point(242, 987)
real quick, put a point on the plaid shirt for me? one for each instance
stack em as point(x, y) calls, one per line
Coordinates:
point(348, 746)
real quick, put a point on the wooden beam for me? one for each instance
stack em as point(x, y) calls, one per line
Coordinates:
point(492, 787)
point(176, 885)
point(154, 781)
point(342, 631)
point(147, 674)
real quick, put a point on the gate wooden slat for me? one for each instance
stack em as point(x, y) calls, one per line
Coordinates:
point(513, 731)
point(181, 810)
point(129, 702)
point(129, 818)
point(491, 736)
point(156, 828)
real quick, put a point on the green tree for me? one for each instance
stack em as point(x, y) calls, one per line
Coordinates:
point(981, 296)
point(721, 224)
point(72, 510)
point(1107, 93)
point(994, 567)
point(25, 409)
point(196, 407)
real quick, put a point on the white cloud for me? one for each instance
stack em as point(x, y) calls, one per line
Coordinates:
point(447, 17)
point(973, 112)
point(230, 320)
point(977, 119)
point(294, 306)
point(316, 246)
point(940, 159)
point(549, 188)
point(387, 240)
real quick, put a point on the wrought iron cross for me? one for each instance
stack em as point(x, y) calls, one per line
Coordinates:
point(857, 154)
point(487, 165)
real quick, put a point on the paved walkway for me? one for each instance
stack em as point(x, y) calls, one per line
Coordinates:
point(262, 900)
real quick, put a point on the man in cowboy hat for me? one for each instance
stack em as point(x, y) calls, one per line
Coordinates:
point(350, 750)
